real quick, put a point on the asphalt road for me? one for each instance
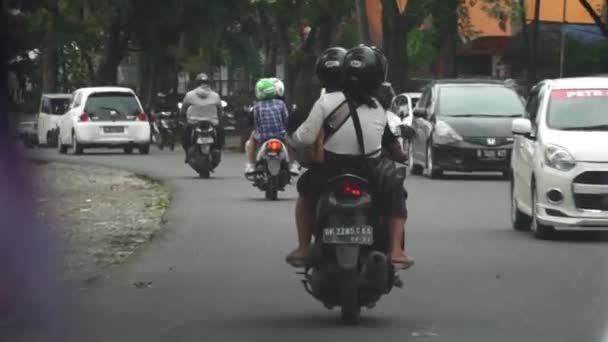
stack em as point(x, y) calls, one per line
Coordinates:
point(217, 271)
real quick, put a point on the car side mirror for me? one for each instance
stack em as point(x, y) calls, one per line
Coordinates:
point(522, 127)
point(420, 113)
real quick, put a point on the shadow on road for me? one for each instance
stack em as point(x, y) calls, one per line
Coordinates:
point(569, 236)
point(580, 236)
point(464, 177)
point(262, 199)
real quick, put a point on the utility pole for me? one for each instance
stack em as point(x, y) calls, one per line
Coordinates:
point(535, 34)
point(562, 48)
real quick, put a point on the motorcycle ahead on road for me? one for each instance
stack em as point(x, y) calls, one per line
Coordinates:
point(271, 169)
point(164, 130)
point(401, 126)
point(348, 265)
point(205, 153)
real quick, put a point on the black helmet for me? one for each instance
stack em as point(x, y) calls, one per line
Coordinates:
point(383, 59)
point(200, 79)
point(329, 67)
point(385, 95)
point(363, 70)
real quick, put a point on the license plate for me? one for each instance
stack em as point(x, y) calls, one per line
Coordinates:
point(113, 129)
point(492, 154)
point(204, 140)
point(363, 235)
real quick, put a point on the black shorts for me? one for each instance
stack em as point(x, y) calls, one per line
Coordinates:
point(385, 178)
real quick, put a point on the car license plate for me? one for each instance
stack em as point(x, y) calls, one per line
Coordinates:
point(204, 140)
point(492, 154)
point(114, 129)
point(363, 235)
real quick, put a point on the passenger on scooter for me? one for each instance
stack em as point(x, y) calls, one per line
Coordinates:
point(202, 102)
point(359, 72)
point(270, 119)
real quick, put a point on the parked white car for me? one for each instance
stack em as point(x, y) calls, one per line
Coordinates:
point(52, 107)
point(403, 106)
point(104, 117)
point(560, 158)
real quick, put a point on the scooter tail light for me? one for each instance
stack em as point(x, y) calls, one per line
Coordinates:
point(274, 145)
point(352, 188)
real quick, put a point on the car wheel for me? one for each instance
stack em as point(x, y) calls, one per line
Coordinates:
point(415, 169)
point(51, 139)
point(77, 149)
point(61, 148)
point(432, 171)
point(145, 149)
point(519, 220)
point(128, 150)
point(540, 231)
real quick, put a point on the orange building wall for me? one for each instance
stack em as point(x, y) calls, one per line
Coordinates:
point(483, 24)
point(552, 10)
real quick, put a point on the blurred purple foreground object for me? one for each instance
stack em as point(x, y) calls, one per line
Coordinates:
point(28, 273)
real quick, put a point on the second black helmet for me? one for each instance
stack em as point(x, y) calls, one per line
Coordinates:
point(364, 70)
point(329, 67)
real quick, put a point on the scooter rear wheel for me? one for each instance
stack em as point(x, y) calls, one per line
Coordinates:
point(349, 297)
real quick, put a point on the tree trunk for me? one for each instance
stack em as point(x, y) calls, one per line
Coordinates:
point(395, 29)
point(362, 22)
point(115, 50)
point(449, 34)
point(50, 65)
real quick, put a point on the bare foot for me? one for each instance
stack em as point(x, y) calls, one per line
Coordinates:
point(298, 257)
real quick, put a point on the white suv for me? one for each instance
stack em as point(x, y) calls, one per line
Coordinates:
point(560, 158)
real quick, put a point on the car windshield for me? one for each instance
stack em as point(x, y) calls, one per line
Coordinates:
point(578, 109)
point(118, 104)
point(60, 106)
point(484, 100)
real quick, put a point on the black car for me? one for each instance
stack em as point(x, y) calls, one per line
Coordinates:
point(464, 125)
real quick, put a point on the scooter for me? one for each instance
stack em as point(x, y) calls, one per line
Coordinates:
point(401, 126)
point(204, 154)
point(348, 266)
point(271, 169)
point(164, 130)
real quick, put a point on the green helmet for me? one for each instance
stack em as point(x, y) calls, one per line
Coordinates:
point(265, 89)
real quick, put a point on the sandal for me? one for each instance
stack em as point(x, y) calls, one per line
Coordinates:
point(401, 265)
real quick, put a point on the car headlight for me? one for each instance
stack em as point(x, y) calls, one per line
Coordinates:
point(559, 158)
point(444, 134)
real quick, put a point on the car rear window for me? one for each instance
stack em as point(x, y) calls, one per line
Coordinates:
point(60, 106)
point(483, 100)
point(112, 106)
point(414, 101)
point(571, 109)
